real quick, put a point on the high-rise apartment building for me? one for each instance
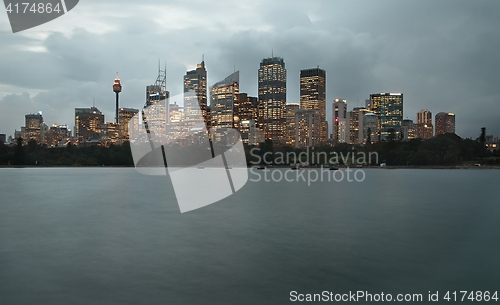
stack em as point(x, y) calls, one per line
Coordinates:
point(340, 117)
point(195, 94)
point(313, 96)
point(272, 98)
point(445, 123)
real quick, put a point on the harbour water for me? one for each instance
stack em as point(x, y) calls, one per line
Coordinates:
point(113, 236)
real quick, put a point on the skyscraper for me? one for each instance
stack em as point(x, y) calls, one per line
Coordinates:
point(445, 123)
point(340, 133)
point(289, 135)
point(88, 123)
point(313, 96)
point(195, 94)
point(124, 117)
point(35, 128)
point(356, 125)
point(307, 128)
point(245, 118)
point(156, 107)
point(272, 98)
point(223, 97)
point(425, 129)
point(389, 109)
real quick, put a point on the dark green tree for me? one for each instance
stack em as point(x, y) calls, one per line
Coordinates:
point(19, 157)
point(482, 137)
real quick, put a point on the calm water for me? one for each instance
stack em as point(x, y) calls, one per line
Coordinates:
point(113, 236)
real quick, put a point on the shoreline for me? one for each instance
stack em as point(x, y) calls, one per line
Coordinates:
point(285, 166)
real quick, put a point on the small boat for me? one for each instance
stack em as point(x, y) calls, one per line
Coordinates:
point(333, 167)
point(201, 167)
point(295, 166)
point(261, 167)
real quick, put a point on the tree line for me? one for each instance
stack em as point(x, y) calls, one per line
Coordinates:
point(442, 150)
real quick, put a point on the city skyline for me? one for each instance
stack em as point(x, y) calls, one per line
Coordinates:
point(67, 63)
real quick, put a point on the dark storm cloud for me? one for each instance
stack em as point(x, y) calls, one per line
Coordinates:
point(441, 54)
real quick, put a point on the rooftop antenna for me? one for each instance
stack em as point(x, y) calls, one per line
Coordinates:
point(202, 57)
point(158, 64)
point(93, 102)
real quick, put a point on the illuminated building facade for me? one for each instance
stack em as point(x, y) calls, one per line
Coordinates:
point(340, 116)
point(245, 109)
point(58, 136)
point(34, 129)
point(272, 98)
point(445, 123)
point(156, 106)
point(88, 122)
point(409, 130)
point(356, 125)
point(425, 129)
point(308, 128)
point(195, 95)
point(124, 117)
point(389, 109)
point(370, 125)
point(313, 95)
point(110, 134)
point(223, 98)
point(290, 110)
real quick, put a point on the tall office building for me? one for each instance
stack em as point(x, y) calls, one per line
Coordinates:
point(195, 94)
point(34, 128)
point(245, 119)
point(357, 125)
point(307, 128)
point(124, 117)
point(245, 108)
point(445, 123)
point(88, 123)
point(389, 109)
point(370, 125)
point(156, 106)
point(272, 98)
point(223, 97)
point(313, 95)
point(425, 129)
point(289, 135)
point(340, 132)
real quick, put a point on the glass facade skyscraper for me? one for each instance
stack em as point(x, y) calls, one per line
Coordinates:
point(195, 94)
point(313, 95)
point(272, 98)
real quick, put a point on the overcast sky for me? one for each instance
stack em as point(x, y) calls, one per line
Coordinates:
point(442, 55)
